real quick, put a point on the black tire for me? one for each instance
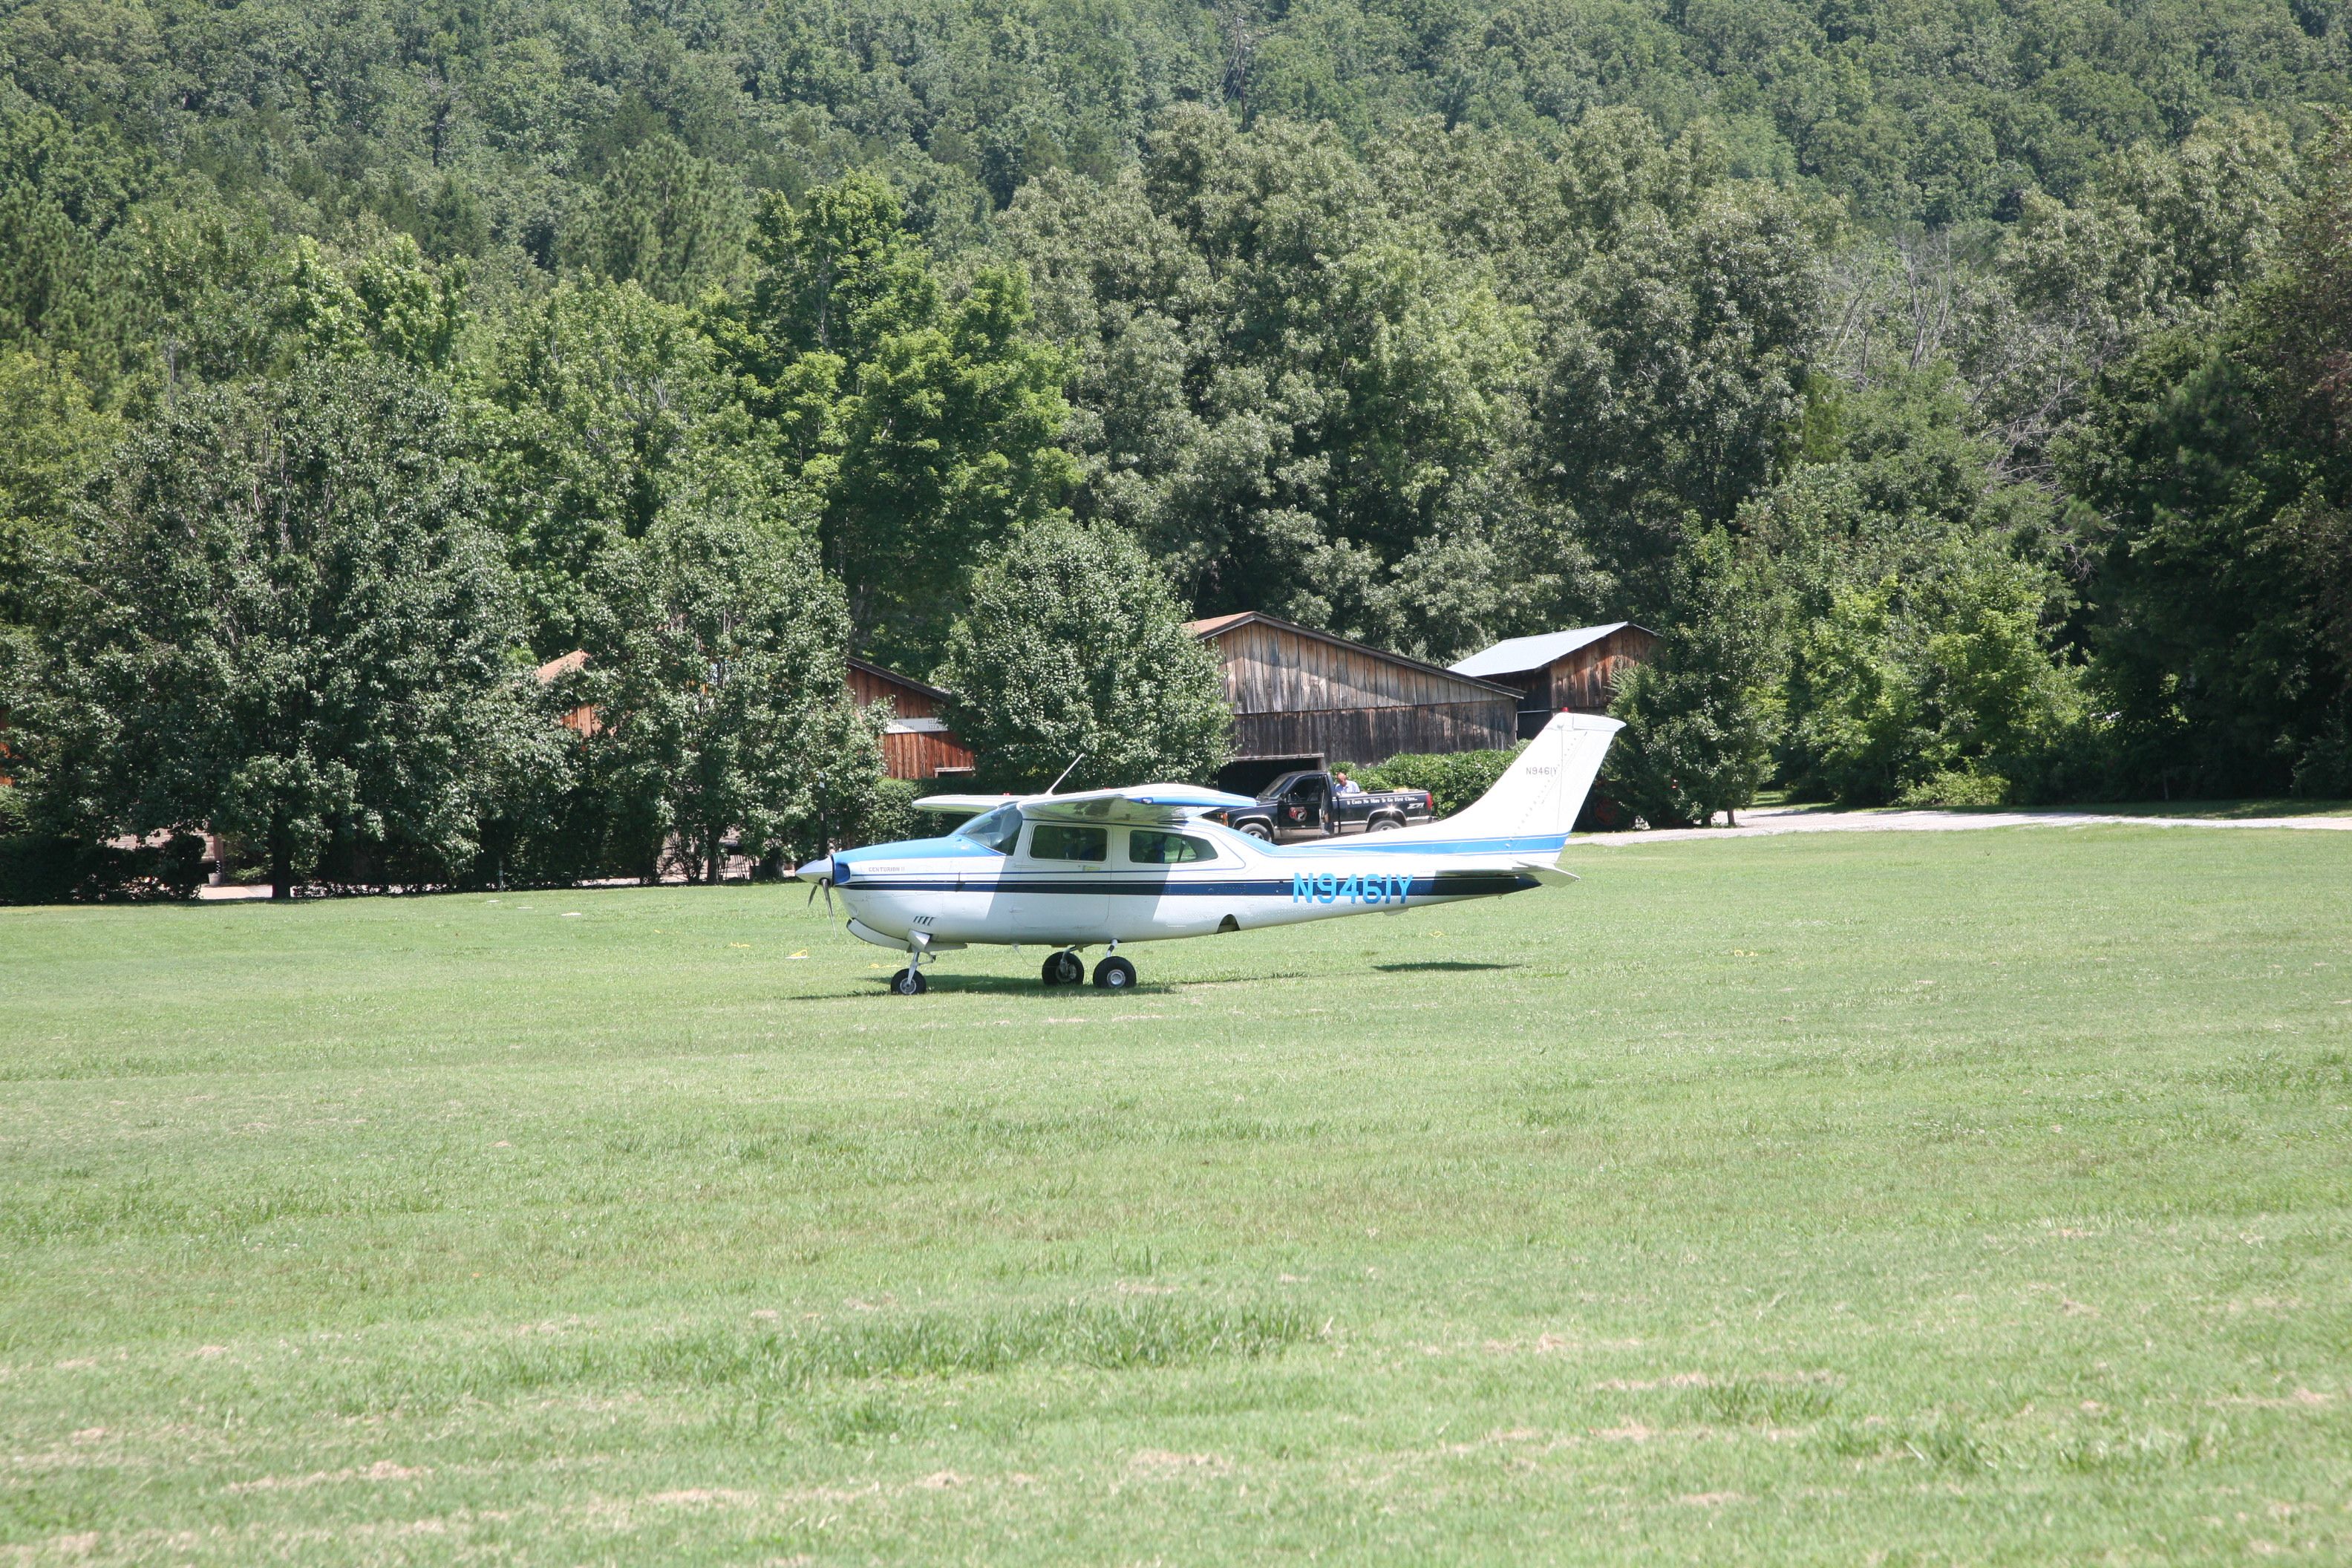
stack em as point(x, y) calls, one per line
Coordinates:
point(1383, 825)
point(1258, 830)
point(1113, 975)
point(1063, 969)
point(909, 981)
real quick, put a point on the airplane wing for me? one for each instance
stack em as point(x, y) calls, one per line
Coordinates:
point(962, 804)
point(1145, 806)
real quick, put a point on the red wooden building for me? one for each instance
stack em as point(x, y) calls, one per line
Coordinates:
point(918, 745)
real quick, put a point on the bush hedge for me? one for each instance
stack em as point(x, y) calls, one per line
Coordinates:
point(1452, 779)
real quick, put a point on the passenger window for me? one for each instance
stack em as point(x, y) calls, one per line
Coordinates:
point(1065, 841)
point(1148, 848)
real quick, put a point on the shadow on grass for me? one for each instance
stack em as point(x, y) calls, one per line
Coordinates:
point(1030, 985)
point(998, 986)
point(2221, 810)
point(2210, 810)
point(1440, 966)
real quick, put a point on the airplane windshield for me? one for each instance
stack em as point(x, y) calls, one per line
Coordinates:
point(997, 830)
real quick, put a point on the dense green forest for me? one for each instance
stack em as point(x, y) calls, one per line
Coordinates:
point(1960, 384)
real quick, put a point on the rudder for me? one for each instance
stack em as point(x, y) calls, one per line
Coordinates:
point(1541, 792)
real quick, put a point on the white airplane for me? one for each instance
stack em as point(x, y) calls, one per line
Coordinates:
point(1115, 865)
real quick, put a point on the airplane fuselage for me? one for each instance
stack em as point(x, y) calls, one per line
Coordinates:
point(954, 892)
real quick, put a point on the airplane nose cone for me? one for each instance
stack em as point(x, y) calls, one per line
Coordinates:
point(817, 871)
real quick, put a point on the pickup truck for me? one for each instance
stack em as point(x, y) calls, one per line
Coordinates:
point(1304, 806)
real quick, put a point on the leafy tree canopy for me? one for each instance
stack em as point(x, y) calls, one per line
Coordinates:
point(288, 620)
point(1073, 650)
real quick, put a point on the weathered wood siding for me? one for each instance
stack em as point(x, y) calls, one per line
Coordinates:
point(869, 685)
point(1296, 694)
point(1585, 679)
point(909, 753)
point(1273, 669)
point(1375, 734)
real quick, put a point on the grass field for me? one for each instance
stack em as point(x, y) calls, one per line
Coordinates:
point(1974, 1198)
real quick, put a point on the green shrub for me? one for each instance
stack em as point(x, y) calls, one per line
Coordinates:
point(893, 815)
point(42, 866)
point(1452, 779)
point(1957, 786)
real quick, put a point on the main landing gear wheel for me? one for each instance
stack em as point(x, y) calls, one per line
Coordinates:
point(1063, 969)
point(1113, 975)
point(909, 981)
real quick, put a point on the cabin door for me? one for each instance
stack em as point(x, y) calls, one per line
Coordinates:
point(1057, 887)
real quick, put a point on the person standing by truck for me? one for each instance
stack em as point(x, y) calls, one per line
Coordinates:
point(1316, 804)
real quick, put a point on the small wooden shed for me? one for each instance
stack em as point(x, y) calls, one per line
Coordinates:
point(918, 745)
point(1575, 670)
point(1306, 699)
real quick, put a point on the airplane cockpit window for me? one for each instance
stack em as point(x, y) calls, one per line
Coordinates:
point(1067, 841)
point(997, 830)
point(1145, 848)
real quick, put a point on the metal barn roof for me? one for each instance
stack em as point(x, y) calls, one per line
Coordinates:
point(1517, 656)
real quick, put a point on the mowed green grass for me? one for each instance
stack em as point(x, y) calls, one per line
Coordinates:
point(1977, 1198)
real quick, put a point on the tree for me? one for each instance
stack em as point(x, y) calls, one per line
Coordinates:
point(605, 405)
point(1292, 395)
point(715, 670)
point(53, 440)
point(662, 218)
point(1676, 367)
point(288, 621)
point(1935, 688)
point(1073, 649)
point(1698, 715)
point(2220, 466)
point(921, 429)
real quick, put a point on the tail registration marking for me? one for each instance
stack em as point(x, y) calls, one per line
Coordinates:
point(1328, 888)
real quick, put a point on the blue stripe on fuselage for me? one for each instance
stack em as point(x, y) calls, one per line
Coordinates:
point(1298, 889)
point(1378, 843)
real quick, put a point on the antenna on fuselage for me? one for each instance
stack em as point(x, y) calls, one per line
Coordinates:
point(1066, 773)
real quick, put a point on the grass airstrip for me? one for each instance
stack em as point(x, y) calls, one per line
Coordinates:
point(1980, 1197)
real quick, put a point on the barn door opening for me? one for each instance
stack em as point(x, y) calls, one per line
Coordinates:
point(1248, 775)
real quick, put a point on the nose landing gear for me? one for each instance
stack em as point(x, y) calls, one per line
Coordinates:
point(1064, 968)
point(909, 981)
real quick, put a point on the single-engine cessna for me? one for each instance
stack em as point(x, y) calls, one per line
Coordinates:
point(1104, 867)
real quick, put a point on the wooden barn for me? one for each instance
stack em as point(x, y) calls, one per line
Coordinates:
point(1575, 670)
point(918, 745)
point(1305, 698)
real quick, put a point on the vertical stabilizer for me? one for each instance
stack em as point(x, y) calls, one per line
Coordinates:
point(1541, 792)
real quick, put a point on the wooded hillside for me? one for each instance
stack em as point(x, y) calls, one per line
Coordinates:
point(1960, 385)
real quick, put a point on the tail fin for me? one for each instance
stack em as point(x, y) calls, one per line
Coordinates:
point(1540, 795)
